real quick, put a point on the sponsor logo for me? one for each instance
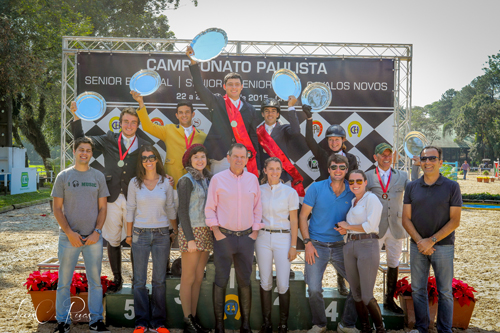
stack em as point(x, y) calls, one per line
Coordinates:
point(75, 183)
point(317, 128)
point(231, 308)
point(25, 179)
point(354, 128)
point(196, 122)
point(157, 121)
point(312, 163)
point(114, 124)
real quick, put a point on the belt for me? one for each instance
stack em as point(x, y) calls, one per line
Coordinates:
point(329, 244)
point(236, 233)
point(281, 231)
point(351, 237)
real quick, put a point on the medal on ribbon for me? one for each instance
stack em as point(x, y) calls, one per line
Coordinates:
point(122, 156)
point(384, 189)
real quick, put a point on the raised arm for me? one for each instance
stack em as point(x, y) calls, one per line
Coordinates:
point(205, 94)
point(147, 125)
point(311, 143)
point(77, 130)
point(294, 127)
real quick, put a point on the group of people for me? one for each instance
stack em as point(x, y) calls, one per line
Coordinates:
point(207, 193)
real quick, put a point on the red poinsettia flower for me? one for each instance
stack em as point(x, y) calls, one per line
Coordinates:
point(463, 292)
point(432, 290)
point(48, 280)
point(403, 287)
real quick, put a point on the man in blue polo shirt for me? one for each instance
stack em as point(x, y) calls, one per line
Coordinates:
point(431, 213)
point(329, 201)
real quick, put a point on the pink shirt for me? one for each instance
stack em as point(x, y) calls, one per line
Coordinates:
point(233, 202)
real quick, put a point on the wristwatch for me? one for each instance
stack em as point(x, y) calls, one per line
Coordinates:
point(99, 231)
point(434, 239)
point(306, 240)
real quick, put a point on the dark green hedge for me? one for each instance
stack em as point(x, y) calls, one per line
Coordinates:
point(480, 197)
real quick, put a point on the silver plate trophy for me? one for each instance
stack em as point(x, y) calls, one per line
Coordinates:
point(208, 44)
point(145, 82)
point(286, 83)
point(413, 143)
point(90, 106)
point(317, 95)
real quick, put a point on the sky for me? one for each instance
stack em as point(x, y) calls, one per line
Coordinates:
point(451, 39)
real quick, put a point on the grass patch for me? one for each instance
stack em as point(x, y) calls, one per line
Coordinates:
point(9, 200)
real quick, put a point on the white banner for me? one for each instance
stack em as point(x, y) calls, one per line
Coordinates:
point(23, 180)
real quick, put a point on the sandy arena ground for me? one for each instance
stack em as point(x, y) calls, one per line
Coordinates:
point(27, 238)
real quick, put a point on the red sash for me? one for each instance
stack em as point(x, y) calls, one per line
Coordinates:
point(241, 134)
point(273, 150)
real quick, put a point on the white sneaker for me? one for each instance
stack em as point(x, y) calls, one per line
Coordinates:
point(317, 329)
point(342, 329)
point(414, 331)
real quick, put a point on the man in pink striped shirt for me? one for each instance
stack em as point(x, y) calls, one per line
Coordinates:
point(234, 212)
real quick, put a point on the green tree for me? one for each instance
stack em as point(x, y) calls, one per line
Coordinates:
point(422, 122)
point(440, 111)
point(479, 118)
point(34, 28)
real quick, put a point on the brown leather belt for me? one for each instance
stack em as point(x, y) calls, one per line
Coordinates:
point(351, 237)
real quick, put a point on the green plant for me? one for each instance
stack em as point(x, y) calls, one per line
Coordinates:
point(486, 172)
point(48, 184)
point(481, 197)
point(461, 172)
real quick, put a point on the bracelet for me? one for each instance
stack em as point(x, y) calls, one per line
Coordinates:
point(128, 237)
point(294, 246)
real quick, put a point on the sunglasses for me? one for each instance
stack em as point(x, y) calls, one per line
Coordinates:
point(150, 158)
point(334, 167)
point(358, 181)
point(430, 158)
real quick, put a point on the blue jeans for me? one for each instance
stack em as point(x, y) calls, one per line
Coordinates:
point(465, 173)
point(157, 242)
point(442, 264)
point(68, 258)
point(314, 279)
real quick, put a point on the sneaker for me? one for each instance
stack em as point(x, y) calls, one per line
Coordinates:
point(140, 329)
point(62, 328)
point(160, 329)
point(342, 329)
point(98, 326)
point(317, 329)
point(414, 331)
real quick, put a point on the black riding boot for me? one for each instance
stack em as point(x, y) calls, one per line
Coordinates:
point(189, 325)
point(266, 305)
point(363, 317)
point(245, 296)
point(115, 261)
point(284, 311)
point(219, 298)
point(198, 325)
point(376, 315)
point(341, 285)
point(392, 280)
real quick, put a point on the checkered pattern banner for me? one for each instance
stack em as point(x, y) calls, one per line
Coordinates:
point(362, 97)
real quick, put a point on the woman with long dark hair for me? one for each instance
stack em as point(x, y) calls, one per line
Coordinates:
point(278, 240)
point(361, 251)
point(195, 238)
point(150, 213)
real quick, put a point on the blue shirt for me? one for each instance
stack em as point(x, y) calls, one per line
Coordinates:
point(328, 209)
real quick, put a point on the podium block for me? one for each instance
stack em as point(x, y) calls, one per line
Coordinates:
point(120, 306)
